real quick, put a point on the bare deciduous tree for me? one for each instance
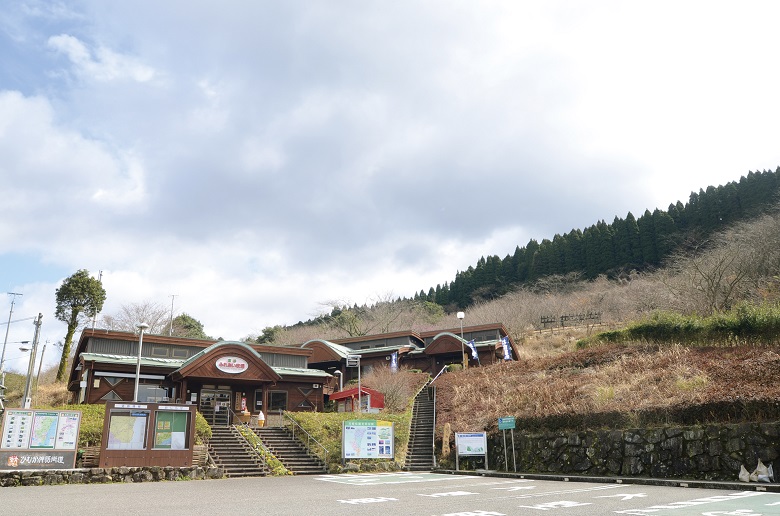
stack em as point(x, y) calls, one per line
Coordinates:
point(153, 314)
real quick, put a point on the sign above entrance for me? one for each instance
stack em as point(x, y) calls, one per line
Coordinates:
point(232, 365)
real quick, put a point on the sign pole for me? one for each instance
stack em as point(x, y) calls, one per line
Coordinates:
point(508, 423)
point(457, 455)
point(506, 461)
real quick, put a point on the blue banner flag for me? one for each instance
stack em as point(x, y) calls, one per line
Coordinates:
point(474, 354)
point(507, 348)
point(394, 362)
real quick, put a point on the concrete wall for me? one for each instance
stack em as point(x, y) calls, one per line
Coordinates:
point(707, 452)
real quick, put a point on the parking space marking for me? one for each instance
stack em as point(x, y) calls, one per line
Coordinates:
point(388, 478)
point(451, 493)
point(743, 503)
point(357, 501)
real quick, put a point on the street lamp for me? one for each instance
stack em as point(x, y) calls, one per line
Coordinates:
point(142, 327)
point(461, 316)
point(341, 380)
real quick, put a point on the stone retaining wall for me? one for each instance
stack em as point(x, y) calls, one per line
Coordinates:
point(707, 452)
point(105, 476)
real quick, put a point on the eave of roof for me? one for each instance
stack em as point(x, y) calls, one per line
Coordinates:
point(103, 358)
point(340, 350)
point(175, 364)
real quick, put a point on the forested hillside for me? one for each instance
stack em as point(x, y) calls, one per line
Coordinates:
point(625, 244)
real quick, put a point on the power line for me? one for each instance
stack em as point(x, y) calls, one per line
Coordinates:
point(17, 320)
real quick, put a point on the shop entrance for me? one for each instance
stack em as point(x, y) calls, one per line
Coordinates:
point(215, 406)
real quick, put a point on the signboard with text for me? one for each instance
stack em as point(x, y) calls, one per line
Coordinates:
point(367, 439)
point(506, 423)
point(39, 439)
point(474, 443)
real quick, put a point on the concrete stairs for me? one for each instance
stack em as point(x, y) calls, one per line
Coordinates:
point(419, 453)
point(290, 451)
point(233, 454)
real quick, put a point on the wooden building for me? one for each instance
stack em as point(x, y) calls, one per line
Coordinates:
point(370, 400)
point(222, 378)
point(428, 351)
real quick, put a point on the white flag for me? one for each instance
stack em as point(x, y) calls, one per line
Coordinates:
point(507, 348)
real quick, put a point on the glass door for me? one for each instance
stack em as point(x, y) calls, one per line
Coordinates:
point(215, 406)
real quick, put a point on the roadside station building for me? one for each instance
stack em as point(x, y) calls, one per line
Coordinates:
point(222, 378)
point(428, 351)
point(227, 380)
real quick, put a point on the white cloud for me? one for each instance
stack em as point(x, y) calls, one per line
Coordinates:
point(258, 158)
point(102, 64)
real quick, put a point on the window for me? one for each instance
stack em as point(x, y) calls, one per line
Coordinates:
point(277, 400)
point(180, 353)
point(258, 400)
point(111, 396)
point(152, 393)
point(160, 351)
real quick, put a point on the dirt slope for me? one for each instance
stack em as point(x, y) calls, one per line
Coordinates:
point(616, 386)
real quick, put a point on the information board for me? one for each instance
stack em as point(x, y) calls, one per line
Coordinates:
point(367, 439)
point(471, 443)
point(506, 423)
point(39, 439)
point(127, 430)
point(170, 431)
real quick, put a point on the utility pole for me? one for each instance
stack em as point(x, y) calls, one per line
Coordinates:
point(27, 399)
point(40, 366)
point(170, 323)
point(8, 327)
point(2, 357)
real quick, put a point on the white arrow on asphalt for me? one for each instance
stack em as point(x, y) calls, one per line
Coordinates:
point(624, 497)
point(451, 493)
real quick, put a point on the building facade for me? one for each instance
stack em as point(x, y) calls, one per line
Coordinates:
point(222, 378)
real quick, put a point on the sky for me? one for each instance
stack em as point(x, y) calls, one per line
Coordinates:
point(259, 160)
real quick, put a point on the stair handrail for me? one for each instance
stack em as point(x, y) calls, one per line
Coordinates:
point(411, 419)
point(443, 369)
point(433, 435)
point(271, 461)
point(309, 437)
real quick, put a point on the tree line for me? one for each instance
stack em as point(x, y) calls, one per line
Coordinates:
point(626, 244)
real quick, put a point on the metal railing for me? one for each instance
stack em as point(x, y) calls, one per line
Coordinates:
point(433, 437)
point(285, 417)
point(443, 369)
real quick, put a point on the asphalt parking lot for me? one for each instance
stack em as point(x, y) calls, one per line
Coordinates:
point(430, 494)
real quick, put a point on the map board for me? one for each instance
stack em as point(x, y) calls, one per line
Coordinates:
point(127, 430)
point(148, 434)
point(39, 439)
point(474, 443)
point(367, 439)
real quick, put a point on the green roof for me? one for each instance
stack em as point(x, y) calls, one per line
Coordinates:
point(169, 363)
point(174, 364)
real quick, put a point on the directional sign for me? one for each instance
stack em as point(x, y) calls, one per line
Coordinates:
point(353, 360)
point(506, 423)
